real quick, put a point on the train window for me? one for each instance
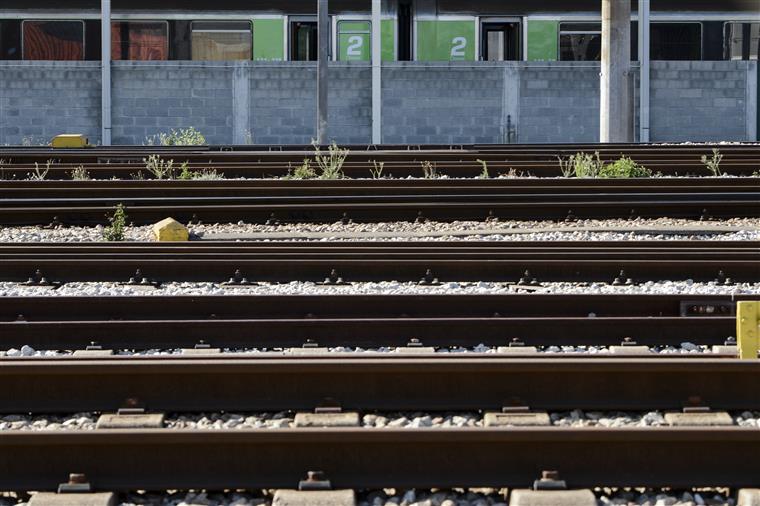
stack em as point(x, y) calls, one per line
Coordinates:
point(354, 40)
point(405, 35)
point(676, 41)
point(52, 40)
point(139, 40)
point(500, 41)
point(304, 40)
point(10, 40)
point(741, 41)
point(580, 41)
point(221, 40)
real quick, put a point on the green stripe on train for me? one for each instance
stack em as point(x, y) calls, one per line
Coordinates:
point(543, 39)
point(268, 39)
point(446, 40)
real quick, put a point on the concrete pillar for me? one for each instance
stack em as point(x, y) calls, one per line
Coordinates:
point(241, 103)
point(643, 70)
point(105, 74)
point(615, 113)
point(377, 72)
point(323, 31)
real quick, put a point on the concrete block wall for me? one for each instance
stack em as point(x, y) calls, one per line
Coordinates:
point(423, 102)
point(41, 99)
point(702, 100)
point(283, 102)
point(148, 98)
point(443, 103)
point(559, 102)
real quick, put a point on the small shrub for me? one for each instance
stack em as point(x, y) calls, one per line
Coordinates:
point(428, 170)
point(40, 174)
point(160, 168)
point(624, 168)
point(377, 169)
point(207, 175)
point(80, 174)
point(581, 165)
point(330, 164)
point(118, 221)
point(180, 137)
point(185, 172)
point(484, 173)
point(303, 171)
point(512, 174)
point(713, 164)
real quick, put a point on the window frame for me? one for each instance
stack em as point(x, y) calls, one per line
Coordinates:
point(45, 20)
point(483, 21)
point(249, 22)
point(701, 37)
point(726, 43)
point(164, 22)
point(561, 32)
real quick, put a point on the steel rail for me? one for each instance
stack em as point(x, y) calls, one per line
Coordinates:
point(460, 261)
point(10, 187)
point(367, 321)
point(397, 208)
point(375, 458)
point(389, 383)
point(459, 161)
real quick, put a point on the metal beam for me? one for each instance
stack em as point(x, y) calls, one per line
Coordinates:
point(644, 9)
point(615, 112)
point(105, 75)
point(323, 31)
point(377, 97)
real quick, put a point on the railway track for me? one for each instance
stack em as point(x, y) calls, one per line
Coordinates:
point(277, 322)
point(278, 352)
point(365, 458)
point(270, 201)
point(432, 262)
point(455, 161)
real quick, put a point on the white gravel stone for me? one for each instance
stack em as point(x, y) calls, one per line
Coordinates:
point(194, 499)
point(377, 420)
point(103, 289)
point(664, 498)
point(78, 421)
point(27, 351)
point(419, 497)
point(636, 230)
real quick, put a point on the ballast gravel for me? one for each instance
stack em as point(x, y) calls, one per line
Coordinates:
point(741, 229)
point(414, 497)
point(683, 348)
point(103, 289)
point(370, 420)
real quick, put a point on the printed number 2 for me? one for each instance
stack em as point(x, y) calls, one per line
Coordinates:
point(354, 49)
point(457, 47)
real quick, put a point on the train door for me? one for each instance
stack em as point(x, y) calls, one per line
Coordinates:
point(304, 38)
point(500, 40)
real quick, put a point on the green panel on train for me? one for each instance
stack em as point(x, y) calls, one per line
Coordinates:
point(268, 37)
point(354, 41)
point(446, 40)
point(388, 35)
point(543, 37)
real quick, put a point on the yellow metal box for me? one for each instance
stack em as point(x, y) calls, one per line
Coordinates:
point(69, 141)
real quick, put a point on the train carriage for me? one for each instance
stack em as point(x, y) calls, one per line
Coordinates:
point(421, 30)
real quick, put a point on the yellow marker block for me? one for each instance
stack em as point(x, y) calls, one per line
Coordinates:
point(69, 141)
point(170, 230)
point(747, 329)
